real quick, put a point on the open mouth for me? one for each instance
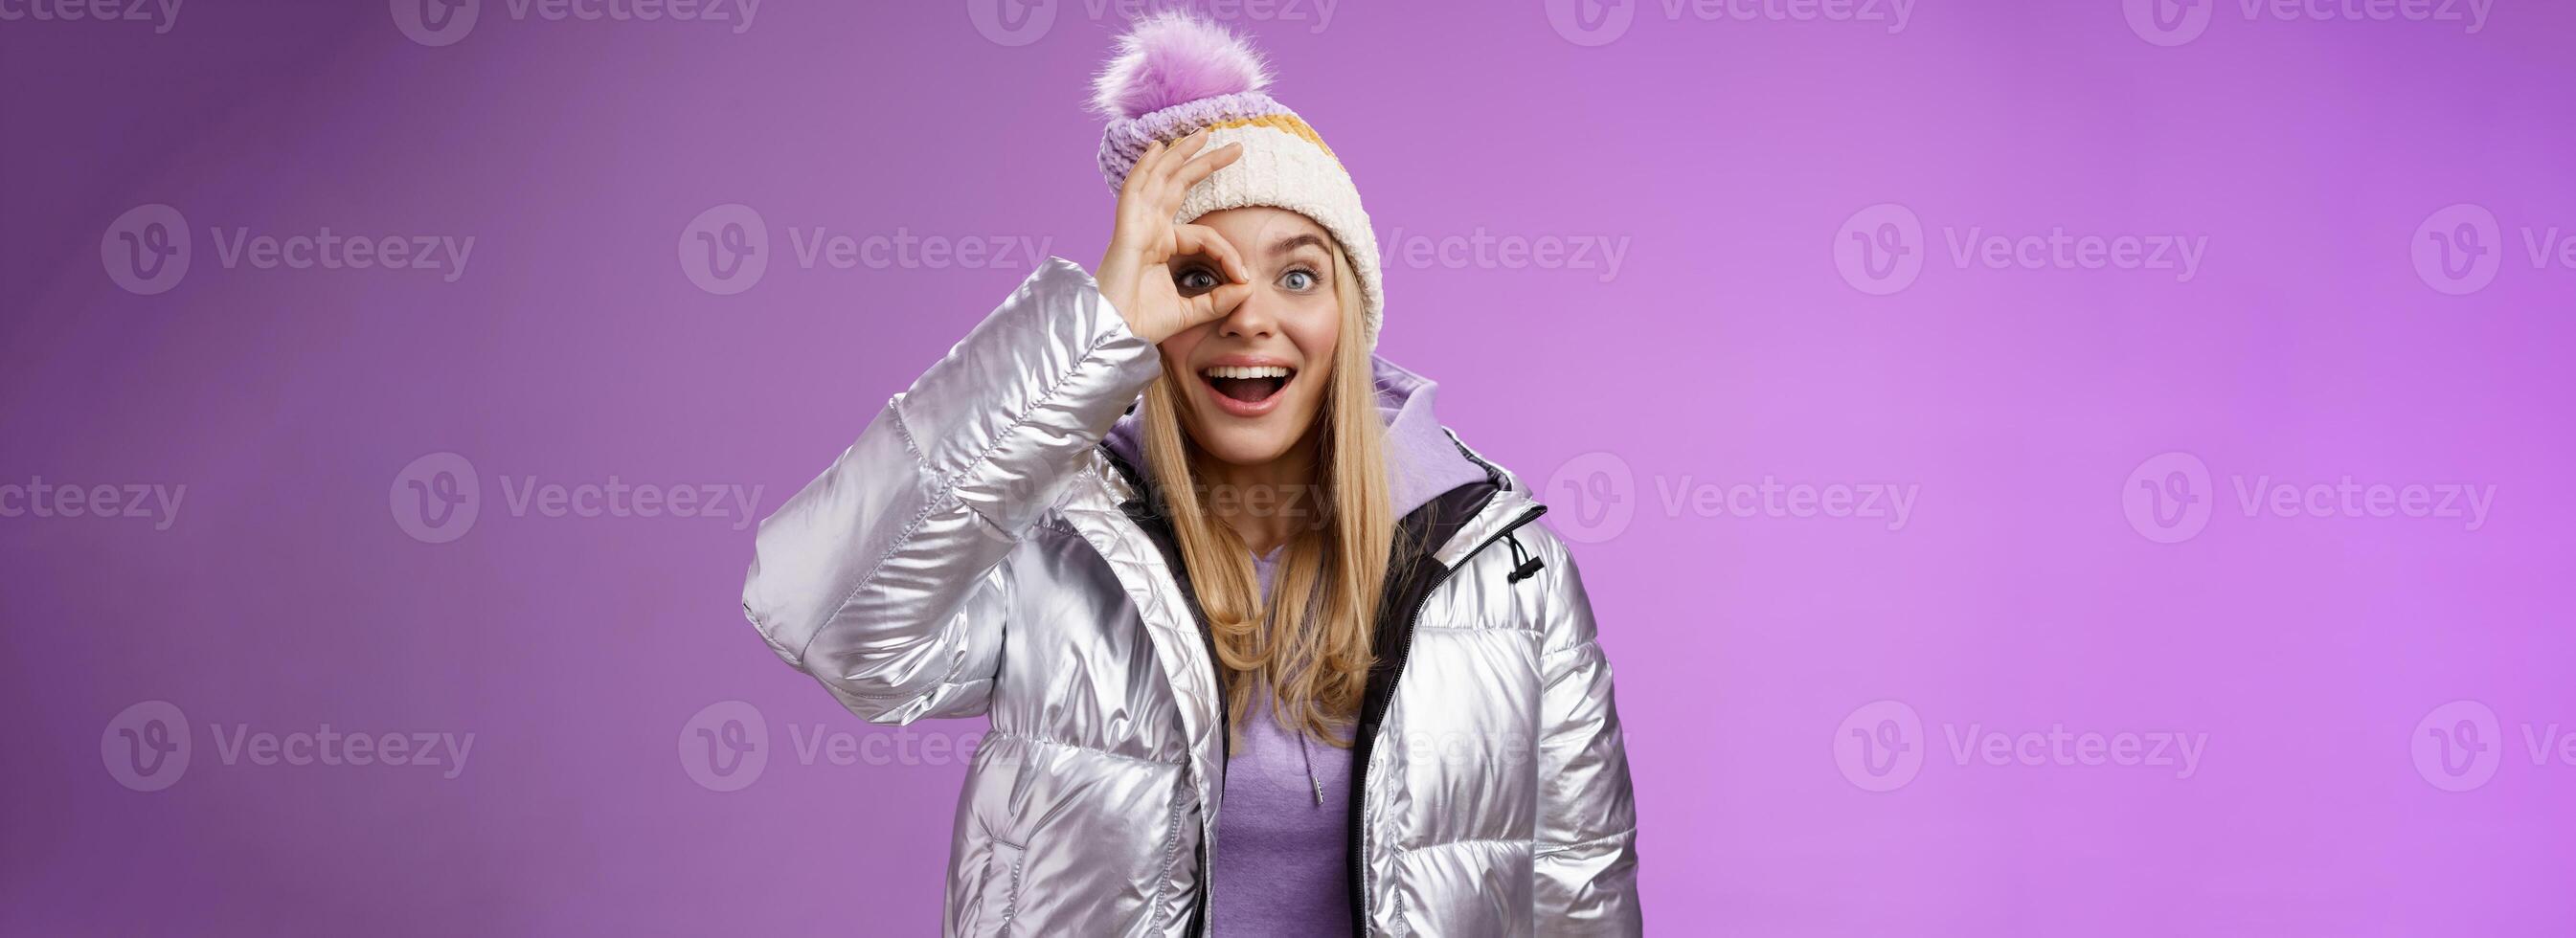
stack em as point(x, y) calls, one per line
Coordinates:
point(1247, 389)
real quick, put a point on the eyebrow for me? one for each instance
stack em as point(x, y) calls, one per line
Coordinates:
point(1291, 243)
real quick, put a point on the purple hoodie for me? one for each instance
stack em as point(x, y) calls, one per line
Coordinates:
point(1282, 859)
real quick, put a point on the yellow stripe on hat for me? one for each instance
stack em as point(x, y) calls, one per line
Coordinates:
point(1286, 123)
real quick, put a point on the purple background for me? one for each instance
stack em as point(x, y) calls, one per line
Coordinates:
point(287, 593)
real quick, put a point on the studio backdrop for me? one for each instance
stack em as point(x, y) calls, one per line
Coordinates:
point(2040, 468)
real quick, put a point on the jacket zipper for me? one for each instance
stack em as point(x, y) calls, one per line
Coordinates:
point(1359, 806)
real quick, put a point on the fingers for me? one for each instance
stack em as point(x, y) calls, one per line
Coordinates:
point(1155, 187)
point(1203, 240)
point(1183, 165)
point(1190, 173)
point(1215, 304)
point(1141, 173)
point(1186, 147)
point(1153, 166)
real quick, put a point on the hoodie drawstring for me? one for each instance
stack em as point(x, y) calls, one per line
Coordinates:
point(1524, 566)
point(1310, 769)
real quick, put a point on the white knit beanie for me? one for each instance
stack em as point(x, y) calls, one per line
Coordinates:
point(1176, 74)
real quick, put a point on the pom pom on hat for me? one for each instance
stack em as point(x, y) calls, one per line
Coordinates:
point(1173, 58)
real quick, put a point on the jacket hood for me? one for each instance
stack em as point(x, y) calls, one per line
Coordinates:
point(1422, 461)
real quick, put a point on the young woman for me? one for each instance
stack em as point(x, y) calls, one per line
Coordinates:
point(1268, 652)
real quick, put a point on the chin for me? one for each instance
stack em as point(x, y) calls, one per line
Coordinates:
point(1245, 445)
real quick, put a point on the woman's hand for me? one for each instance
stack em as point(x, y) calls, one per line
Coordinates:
point(1136, 275)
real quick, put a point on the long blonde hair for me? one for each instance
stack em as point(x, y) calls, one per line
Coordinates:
point(1310, 643)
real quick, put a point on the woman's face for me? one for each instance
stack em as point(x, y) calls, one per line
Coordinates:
point(1253, 382)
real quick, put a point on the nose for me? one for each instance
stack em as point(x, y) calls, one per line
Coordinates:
point(1252, 319)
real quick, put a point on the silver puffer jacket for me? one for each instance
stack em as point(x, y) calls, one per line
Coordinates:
point(978, 551)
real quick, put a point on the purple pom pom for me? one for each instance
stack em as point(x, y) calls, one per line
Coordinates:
point(1173, 58)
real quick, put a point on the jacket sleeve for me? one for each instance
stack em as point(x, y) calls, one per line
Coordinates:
point(887, 577)
point(1586, 857)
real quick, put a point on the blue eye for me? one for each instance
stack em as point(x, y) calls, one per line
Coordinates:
point(1299, 280)
point(1195, 279)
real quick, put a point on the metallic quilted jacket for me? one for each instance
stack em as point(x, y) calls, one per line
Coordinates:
point(978, 551)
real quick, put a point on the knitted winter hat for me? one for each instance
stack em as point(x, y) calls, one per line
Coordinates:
point(1175, 74)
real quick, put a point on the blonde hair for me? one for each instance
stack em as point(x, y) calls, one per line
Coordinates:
point(1310, 644)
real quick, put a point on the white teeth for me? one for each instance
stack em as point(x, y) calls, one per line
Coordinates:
point(1247, 371)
